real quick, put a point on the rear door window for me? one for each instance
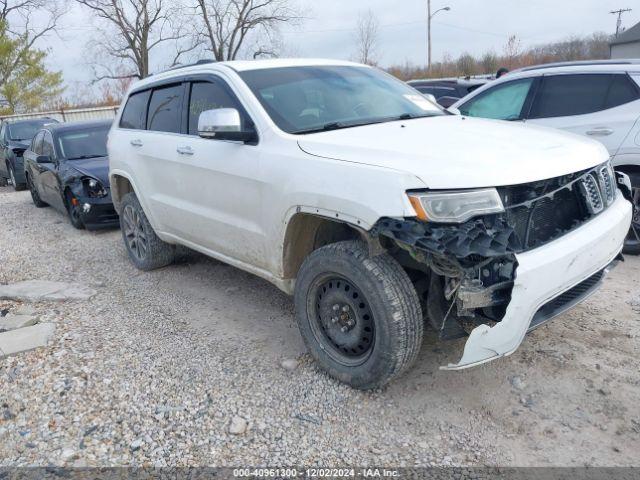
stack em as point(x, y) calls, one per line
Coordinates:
point(208, 96)
point(503, 102)
point(165, 109)
point(570, 95)
point(134, 115)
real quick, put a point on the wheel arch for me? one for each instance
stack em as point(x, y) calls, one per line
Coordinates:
point(306, 232)
point(120, 186)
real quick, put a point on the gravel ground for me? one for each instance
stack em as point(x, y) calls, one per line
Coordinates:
point(195, 364)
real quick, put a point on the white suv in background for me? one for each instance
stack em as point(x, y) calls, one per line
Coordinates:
point(375, 208)
point(598, 99)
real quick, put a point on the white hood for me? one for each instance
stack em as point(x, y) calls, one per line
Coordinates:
point(457, 152)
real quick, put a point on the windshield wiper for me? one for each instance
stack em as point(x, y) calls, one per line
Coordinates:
point(86, 157)
point(338, 125)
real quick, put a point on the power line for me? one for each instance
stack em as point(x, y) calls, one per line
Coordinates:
point(619, 13)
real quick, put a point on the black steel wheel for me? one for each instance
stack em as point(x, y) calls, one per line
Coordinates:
point(359, 316)
point(632, 242)
point(146, 250)
point(343, 319)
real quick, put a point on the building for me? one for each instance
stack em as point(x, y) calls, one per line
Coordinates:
point(627, 44)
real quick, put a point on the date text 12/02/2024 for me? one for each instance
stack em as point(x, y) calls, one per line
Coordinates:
point(315, 473)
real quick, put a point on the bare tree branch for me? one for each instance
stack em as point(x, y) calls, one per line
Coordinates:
point(132, 30)
point(367, 37)
point(226, 25)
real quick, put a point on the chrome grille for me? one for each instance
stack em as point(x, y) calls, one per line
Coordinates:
point(591, 191)
point(607, 184)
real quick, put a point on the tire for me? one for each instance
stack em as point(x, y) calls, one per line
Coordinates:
point(372, 293)
point(3, 182)
point(18, 187)
point(146, 251)
point(632, 242)
point(35, 195)
point(74, 210)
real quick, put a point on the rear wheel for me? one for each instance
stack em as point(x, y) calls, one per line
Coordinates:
point(75, 211)
point(145, 249)
point(632, 242)
point(35, 195)
point(359, 316)
point(18, 187)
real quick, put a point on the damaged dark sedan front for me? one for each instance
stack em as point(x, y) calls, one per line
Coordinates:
point(67, 167)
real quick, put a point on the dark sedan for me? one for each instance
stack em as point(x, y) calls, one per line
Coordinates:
point(15, 138)
point(67, 167)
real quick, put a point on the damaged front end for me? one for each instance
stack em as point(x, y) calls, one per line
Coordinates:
point(475, 277)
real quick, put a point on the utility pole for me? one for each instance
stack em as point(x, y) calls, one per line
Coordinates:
point(619, 13)
point(429, 17)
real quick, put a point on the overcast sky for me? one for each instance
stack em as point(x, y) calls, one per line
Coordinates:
point(471, 26)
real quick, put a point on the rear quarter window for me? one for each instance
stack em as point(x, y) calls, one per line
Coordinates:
point(134, 115)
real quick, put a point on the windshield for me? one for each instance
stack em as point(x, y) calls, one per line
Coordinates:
point(317, 98)
point(85, 143)
point(27, 130)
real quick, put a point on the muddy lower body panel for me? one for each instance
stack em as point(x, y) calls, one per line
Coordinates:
point(545, 274)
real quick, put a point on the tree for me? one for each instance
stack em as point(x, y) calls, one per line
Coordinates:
point(26, 83)
point(17, 20)
point(511, 52)
point(228, 26)
point(132, 31)
point(466, 64)
point(490, 62)
point(367, 37)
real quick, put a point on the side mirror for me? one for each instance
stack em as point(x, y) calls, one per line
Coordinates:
point(223, 124)
point(44, 159)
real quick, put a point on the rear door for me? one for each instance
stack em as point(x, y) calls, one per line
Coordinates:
point(601, 106)
point(50, 191)
point(35, 169)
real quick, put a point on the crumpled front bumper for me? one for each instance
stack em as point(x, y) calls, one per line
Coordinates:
point(545, 273)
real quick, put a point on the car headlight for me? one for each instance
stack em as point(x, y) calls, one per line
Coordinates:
point(455, 207)
point(94, 188)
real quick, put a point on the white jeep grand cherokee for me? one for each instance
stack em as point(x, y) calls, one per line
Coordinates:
point(373, 207)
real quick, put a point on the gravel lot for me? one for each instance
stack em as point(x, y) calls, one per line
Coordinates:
point(154, 368)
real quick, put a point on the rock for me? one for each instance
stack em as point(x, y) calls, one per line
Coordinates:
point(25, 339)
point(25, 310)
point(136, 444)
point(13, 322)
point(68, 454)
point(518, 383)
point(43, 290)
point(289, 364)
point(238, 426)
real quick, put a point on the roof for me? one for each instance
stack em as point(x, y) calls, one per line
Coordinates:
point(73, 126)
point(629, 35)
point(581, 63)
point(29, 120)
point(237, 66)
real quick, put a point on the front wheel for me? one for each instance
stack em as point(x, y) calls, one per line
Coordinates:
point(632, 242)
point(146, 250)
point(359, 316)
point(35, 195)
point(75, 211)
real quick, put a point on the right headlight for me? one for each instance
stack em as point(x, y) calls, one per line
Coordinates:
point(455, 207)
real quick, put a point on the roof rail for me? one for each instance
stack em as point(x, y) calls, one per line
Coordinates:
point(580, 63)
point(203, 61)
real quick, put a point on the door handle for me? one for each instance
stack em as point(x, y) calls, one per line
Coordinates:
point(136, 143)
point(185, 150)
point(600, 132)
